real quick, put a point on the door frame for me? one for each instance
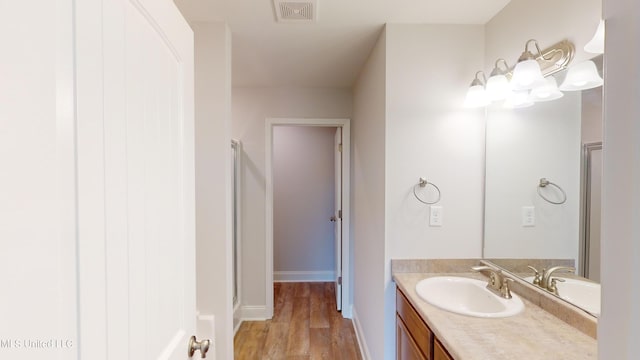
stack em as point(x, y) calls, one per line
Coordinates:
point(345, 124)
point(585, 207)
point(236, 220)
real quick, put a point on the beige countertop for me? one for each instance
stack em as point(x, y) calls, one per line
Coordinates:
point(532, 334)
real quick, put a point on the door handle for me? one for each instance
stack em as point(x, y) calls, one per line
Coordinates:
point(333, 219)
point(202, 346)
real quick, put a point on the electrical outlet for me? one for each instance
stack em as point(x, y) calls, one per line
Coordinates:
point(435, 217)
point(528, 216)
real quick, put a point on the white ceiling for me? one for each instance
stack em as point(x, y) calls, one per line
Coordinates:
point(330, 52)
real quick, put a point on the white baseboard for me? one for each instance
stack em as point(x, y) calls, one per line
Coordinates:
point(347, 312)
point(237, 327)
point(304, 276)
point(237, 316)
point(253, 313)
point(364, 349)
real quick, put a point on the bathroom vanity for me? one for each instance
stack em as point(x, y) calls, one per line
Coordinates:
point(424, 331)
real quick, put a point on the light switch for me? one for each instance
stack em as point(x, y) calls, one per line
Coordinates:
point(528, 216)
point(435, 218)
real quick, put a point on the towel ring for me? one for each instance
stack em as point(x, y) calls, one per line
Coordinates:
point(543, 183)
point(423, 183)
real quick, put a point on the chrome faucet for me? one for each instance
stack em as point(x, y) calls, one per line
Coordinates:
point(498, 284)
point(544, 279)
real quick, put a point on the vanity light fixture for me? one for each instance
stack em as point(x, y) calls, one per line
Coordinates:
point(527, 71)
point(596, 44)
point(582, 76)
point(477, 95)
point(546, 91)
point(498, 87)
point(504, 81)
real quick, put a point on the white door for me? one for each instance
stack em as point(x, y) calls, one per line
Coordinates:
point(338, 215)
point(38, 308)
point(135, 179)
point(97, 211)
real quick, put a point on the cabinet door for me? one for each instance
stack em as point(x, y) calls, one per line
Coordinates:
point(418, 330)
point(439, 353)
point(406, 348)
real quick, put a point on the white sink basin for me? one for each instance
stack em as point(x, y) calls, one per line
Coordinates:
point(584, 294)
point(467, 297)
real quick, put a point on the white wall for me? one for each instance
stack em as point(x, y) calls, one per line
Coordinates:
point(430, 134)
point(524, 145)
point(213, 180)
point(592, 115)
point(303, 201)
point(368, 201)
point(619, 324)
point(250, 108)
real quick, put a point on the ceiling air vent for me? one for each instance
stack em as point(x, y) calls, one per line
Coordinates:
point(295, 11)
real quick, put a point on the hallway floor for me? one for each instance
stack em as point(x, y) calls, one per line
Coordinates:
point(305, 325)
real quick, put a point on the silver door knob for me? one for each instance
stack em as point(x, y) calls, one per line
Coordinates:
point(333, 218)
point(202, 346)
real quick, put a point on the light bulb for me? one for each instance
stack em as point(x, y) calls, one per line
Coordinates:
point(526, 74)
point(498, 87)
point(546, 90)
point(518, 99)
point(582, 76)
point(596, 44)
point(476, 97)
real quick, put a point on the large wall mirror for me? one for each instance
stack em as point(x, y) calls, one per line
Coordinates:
point(542, 200)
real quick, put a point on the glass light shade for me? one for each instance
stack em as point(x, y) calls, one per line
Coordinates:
point(596, 44)
point(526, 74)
point(546, 90)
point(518, 99)
point(582, 76)
point(476, 97)
point(498, 87)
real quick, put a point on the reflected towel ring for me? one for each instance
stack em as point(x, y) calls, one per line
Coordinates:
point(423, 183)
point(543, 183)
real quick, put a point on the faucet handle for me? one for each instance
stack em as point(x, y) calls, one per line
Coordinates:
point(537, 278)
point(504, 290)
point(481, 268)
point(553, 287)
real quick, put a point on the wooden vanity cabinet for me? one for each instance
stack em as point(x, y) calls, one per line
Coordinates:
point(406, 347)
point(414, 339)
point(439, 353)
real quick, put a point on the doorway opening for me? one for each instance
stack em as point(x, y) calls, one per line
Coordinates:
point(339, 217)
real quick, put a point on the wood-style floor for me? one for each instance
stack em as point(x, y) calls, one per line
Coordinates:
point(305, 325)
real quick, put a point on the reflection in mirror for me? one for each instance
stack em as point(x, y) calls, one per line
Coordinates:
point(560, 141)
point(592, 187)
